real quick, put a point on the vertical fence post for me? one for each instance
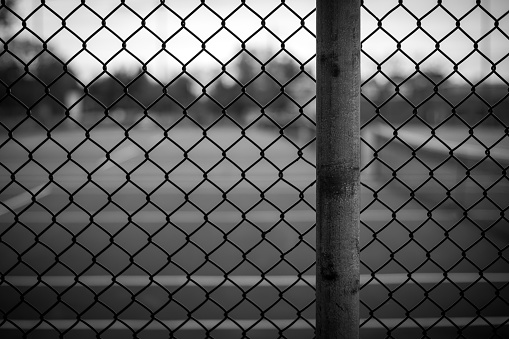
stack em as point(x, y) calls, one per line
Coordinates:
point(338, 168)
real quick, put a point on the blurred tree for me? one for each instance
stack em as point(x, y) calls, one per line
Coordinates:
point(227, 95)
point(33, 80)
point(423, 87)
point(8, 69)
point(397, 97)
point(134, 92)
point(133, 89)
point(173, 97)
point(224, 93)
point(281, 71)
point(256, 86)
point(5, 14)
point(247, 70)
point(181, 91)
point(55, 77)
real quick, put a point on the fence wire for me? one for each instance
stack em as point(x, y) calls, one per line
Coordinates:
point(162, 201)
point(435, 169)
point(177, 200)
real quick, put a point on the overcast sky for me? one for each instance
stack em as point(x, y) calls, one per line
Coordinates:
point(122, 24)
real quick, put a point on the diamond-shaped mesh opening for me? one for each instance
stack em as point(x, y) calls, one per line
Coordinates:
point(432, 185)
point(159, 168)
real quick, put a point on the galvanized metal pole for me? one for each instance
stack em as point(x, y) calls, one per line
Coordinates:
point(338, 168)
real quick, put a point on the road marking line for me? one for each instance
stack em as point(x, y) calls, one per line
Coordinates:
point(256, 216)
point(434, 278)
point(25, 198)
point(252, 324)
point(250, 280)
point(136, 324)
point(167, 280)
point(179, 217)
point(380, 323)
point(420, 215)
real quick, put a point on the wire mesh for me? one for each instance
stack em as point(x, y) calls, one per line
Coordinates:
point(174, 202)
point(434, 217)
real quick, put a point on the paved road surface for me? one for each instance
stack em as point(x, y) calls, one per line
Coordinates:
point(222, 236)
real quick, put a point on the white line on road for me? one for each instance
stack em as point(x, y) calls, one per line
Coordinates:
point(137, 324)
point(25, 198)
point(249, 280)
point(180, 217)
point(308, 215)
point(433, 322)
point(167, 280)
point(434, 278)
point(371, 215)
point(252, 324)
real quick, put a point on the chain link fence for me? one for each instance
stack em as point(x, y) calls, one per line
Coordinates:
point(158, 169)
point(435, 141)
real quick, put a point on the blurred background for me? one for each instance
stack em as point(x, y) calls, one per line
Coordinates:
point(87, 54)
point(158, 168)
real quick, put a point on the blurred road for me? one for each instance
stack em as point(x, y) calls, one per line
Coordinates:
point(219, 205)
point(224, 225)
